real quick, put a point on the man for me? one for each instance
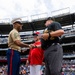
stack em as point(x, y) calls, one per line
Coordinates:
point(53, 53)
point(14, 44)
point(35, 56)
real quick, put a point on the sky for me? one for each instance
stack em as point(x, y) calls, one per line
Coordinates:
point(10, 9)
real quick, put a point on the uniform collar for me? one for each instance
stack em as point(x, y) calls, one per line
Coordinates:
point(15, 29)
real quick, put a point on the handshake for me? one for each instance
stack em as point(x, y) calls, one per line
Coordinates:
point(32, 46)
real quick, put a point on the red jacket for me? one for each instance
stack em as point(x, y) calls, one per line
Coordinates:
point(36, 55)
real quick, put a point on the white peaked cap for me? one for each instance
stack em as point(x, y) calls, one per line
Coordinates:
point(16, 19)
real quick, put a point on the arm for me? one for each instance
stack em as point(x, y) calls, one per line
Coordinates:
point(28, 59)
point(36, 45)
point(21, 44)
point(56, 33)
point(27, 62)
point(17, 40)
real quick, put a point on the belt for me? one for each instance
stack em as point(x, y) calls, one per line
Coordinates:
point(55, 44)
point(14, 49)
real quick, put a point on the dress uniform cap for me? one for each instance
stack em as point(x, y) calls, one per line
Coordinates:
point(18, 20)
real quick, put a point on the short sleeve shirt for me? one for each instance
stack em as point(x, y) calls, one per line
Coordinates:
point(52, 27)
point(36, 55)
point(13, 36)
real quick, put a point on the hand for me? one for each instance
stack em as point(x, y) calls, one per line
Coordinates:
point(22, 51)
point(27, 62)
point(43, 63)
point(31, 46)
point(45, 36)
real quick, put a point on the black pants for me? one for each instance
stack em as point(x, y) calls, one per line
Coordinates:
point(53, 59)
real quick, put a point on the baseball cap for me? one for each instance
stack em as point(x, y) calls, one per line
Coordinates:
point(18, 20)
point(49, 18)
point(36, 33)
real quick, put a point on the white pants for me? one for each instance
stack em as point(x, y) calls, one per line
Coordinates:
point(35, 69)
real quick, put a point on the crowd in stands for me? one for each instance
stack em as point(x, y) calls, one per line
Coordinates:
point(3, 40)
point(2, 57)
point(3, 70)
point(24, 70)
point(68, 68)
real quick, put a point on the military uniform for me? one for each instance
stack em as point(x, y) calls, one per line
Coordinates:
point(53, 53)
point(13, 53)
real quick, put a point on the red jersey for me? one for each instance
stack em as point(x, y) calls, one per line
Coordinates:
point(36, 55)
